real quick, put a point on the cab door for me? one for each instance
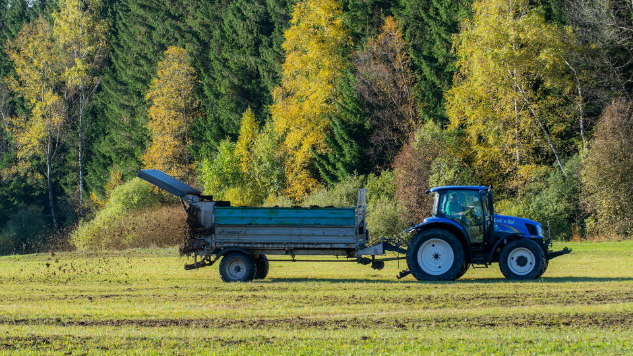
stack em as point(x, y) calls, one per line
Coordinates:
point(488, 215)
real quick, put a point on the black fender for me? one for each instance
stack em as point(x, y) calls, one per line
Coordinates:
point(508, 238)
point(230, 249)
point(454, 228)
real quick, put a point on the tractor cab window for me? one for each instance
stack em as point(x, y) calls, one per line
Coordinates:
point(464, 207)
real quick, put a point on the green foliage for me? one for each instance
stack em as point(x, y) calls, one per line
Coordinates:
point(143, 30)
point(223, 173)
point(346, 140)
point(383, 210)
point(523, 92)
point(249, 171)
point(551, 196)
point(243, 65)
point(25, 231)
point(110, 229)
point(384, 218)
point(342, 194)
point(381, 186)
point(428, 27)
point(237, 50)
point(364, 18)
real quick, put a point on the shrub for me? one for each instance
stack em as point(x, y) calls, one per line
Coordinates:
point(222, 173)
point(384, 218)
point(609, 172)
point(427, 160)
point(24, 232)
point(383, 210)
point(550, 196)
point(341, 194)
point(248, 171)
point(132, 217)
point(278, 200)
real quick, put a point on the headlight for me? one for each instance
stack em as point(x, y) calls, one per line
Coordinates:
point(539, 228)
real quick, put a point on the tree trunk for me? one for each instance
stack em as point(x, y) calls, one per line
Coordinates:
point(81, 172)
point(549, 139)
point(580, 108)
point(516, 131)
point(50, 186)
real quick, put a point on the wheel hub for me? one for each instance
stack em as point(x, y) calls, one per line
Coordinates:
point(435, 257)
point(521, 261)
point(236, 269)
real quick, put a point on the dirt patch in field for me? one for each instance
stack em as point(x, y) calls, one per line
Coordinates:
point(547, 320)
point(450, 300)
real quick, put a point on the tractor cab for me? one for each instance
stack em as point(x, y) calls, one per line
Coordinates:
point(469, 206)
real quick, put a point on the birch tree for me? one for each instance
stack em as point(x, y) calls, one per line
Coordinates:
point(513, 90)
point(81, 36)
point(36, 58)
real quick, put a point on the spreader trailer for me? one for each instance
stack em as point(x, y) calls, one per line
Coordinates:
point(462, 231)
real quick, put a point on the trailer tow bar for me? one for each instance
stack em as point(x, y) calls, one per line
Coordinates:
point(199, 264)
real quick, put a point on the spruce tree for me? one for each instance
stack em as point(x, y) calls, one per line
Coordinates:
point(428, 27)
point(236, 51)
point(142, 30)
point(347, 140)
point(244, 65)
point(364, 18)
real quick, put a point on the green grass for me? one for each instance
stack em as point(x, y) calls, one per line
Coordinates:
point(144, 302)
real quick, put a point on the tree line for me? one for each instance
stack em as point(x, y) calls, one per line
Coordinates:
point(269, 102)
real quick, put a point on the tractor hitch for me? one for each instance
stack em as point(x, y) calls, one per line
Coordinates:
point(564, 251)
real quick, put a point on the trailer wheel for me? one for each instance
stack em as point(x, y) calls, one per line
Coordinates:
point(237, 267)
point(522, 259)
point(262, 267)
point(436, 255)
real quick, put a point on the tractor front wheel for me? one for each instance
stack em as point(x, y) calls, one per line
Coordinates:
point(436, 255)
point(522, 259)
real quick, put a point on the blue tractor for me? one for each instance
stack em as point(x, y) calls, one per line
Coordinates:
point(464, 230)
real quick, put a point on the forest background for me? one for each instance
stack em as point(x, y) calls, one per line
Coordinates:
point(285, 102)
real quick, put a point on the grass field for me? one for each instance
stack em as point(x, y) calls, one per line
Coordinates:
point(144, 302)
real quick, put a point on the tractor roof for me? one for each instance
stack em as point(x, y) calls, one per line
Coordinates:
point(459, 187)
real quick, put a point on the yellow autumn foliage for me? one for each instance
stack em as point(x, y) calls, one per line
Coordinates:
point(246, 140)
point(36, 59)
point(173, 110)
point(511, 61)
point(314, 46)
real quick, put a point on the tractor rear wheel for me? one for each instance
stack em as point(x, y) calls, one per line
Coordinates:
point(237, 267)
point(522, 259)
point(261, 263)
point(436, 255)
point(464, 270)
